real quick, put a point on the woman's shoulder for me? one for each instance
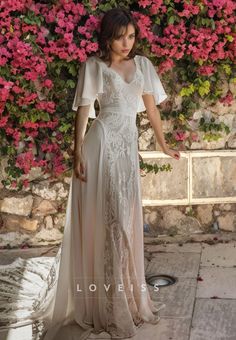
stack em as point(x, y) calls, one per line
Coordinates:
point(94, 63)
point(142, 59)
point(93, 59)
point(145, 63)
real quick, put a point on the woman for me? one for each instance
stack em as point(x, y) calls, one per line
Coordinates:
point(101, 283)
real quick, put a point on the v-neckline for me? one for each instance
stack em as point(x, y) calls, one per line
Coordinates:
point(119, 75)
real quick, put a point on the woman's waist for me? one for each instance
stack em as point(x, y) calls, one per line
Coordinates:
point(111, 121)
point(121, 111)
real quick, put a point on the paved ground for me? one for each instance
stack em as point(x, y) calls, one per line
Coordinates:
point(201, 305)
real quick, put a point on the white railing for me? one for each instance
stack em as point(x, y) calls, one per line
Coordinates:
point(198, 177)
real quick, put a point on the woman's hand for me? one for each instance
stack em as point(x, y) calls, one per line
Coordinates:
point(172, 153)
point(79, 167)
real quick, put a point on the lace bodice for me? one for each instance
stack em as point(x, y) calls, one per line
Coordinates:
point(98, 81)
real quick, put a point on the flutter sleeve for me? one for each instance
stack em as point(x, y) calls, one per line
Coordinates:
point(89, 85)
point(152, 83)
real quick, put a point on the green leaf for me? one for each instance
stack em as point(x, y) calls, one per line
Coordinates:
point(70, 83)
point(171, 20)
point(72, 70)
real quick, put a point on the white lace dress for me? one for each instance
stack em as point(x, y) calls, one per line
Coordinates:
point(101, 283)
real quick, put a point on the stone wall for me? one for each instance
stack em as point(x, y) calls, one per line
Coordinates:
point(36, 216)
point(190, 219)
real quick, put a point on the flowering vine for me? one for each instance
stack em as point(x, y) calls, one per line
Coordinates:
point(41, 48)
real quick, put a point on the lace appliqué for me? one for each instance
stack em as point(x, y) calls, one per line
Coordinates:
point(120, 176)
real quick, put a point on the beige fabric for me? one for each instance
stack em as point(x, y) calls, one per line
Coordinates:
point(103, 236)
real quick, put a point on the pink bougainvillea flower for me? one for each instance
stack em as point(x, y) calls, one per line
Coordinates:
point(48, 106)
point(180, 135)
point(144, 3)
point(28, 98)
point(48, 83)
point(17, 89)
point(228, 99)
point(25, 161)
point(3, 121)
point(31, 125)
point(14, 184)
point(155, 7)
point(206, 70)
point(49, 147)
point(26, 185)
point(4, 94)
point(199, 278)
point(189, 10)
point(165, 66)
point(68, 37)
point(32, 134)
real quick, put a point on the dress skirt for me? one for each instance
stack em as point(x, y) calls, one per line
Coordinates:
point(101, 280)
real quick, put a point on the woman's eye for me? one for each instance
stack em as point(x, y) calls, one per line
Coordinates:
point(121, 36)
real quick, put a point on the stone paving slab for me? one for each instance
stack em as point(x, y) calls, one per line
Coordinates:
point(220, 282)
point(174, 264)
point(214, 319)
point(173, 248)
point(178, 298)
point(166, 329)
point(189, 298)
point(221, 254)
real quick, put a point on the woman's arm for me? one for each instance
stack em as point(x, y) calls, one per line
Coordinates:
point(81, 120)
point(156, 122)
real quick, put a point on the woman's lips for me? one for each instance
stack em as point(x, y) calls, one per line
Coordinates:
point(125, 50)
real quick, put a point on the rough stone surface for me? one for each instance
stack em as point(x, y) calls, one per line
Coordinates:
point(17, 205)
point(224, 283)
point(227, 222)
point(43, 237)
point(173, 218)
point(166, 185)
point(17, 223)
point(214, 319)
point(165, 329)
point(182, 292)
point(145, 140)
point(48, 222)
point(59, 221)
point(50, 191)
point(226, 206)
point(45, 207)
point(177, 264)
point(205, 213)
point(232, 142)
point(219, 255)
point(214, 176)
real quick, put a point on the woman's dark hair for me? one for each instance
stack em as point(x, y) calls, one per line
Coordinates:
point(111, 24)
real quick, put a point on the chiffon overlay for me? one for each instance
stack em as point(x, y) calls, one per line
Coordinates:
point(100, 280)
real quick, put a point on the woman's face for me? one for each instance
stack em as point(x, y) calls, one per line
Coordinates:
point(124, 43)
